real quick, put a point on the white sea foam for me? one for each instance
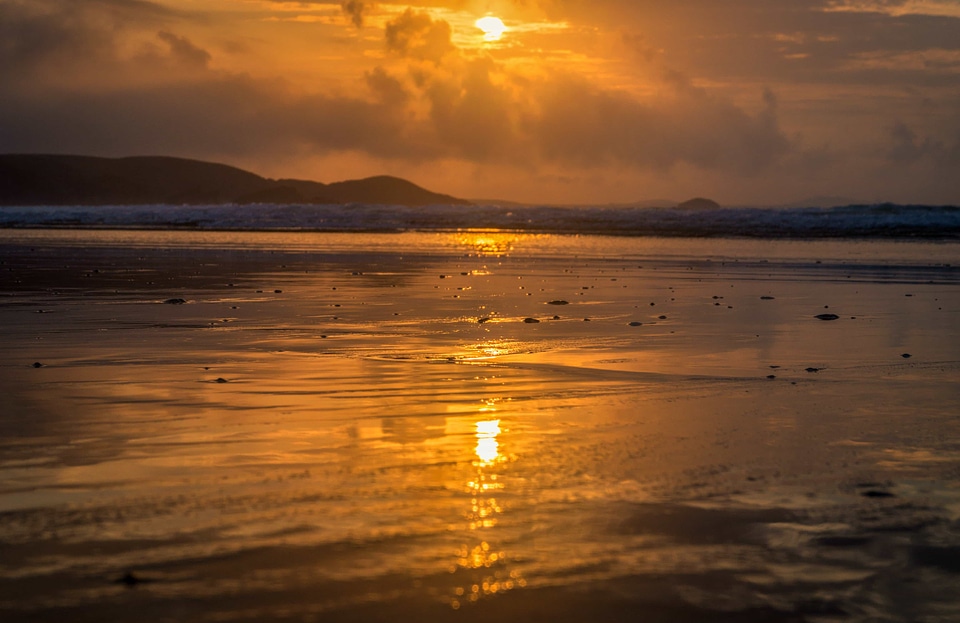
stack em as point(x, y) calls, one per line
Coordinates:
point(870, 221)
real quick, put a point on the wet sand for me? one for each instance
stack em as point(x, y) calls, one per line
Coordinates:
point(366, 427)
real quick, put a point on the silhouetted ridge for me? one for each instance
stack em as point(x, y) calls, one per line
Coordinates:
point(37, 179)
point(699, 203)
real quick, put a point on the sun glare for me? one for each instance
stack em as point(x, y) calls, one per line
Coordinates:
point(492, 27)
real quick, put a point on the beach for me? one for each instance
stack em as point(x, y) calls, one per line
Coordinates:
point(469, 425)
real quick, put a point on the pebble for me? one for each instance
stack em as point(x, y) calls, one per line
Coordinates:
point(826, 317)
point(174, 302)
point(766, 298)
point(129, 579)
point(221, 380)
point(906, 355)
point(813, 369)
point(37, 364)
point(636, 324)
point(558, 302)
point(531, 321)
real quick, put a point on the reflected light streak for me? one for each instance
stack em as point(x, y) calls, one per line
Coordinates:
point(485, 567)
point(488, 242)
point(488, 448)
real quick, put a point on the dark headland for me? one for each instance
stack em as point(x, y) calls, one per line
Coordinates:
point(39, 179)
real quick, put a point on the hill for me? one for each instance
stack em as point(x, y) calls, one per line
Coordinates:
point(699, 203)
point(41, 179)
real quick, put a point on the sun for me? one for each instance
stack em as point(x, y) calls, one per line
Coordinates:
point(492, 27)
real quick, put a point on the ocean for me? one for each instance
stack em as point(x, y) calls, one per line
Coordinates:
point(869, 221)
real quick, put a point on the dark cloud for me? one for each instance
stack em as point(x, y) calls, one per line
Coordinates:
point(33, 35)
point(419, 36)
point(354, 10)
point(907, 147)
point(183, 51)
point(41, 37)
point(586, 125)
point(785, 41)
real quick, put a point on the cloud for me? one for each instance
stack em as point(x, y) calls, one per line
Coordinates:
point(183, 51)
point(354, 10)
point(719, 98)
point(584, 125)
point(443, 105)
point(51, 40)
point(907, 148)
point(419, 36)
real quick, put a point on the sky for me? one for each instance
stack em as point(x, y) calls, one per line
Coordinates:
point(578, 101)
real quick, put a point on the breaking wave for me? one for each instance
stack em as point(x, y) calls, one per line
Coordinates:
point(855, 221)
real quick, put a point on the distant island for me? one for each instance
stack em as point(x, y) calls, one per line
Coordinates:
point(699, 203)
point(43, 179)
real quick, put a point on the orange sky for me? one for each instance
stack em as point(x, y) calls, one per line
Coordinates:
point(744, 101)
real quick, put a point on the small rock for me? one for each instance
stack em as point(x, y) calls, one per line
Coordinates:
point(827, 317)
point(556, 317)
point(531, 321)
point(37, 364)
point(221, 380)
point(906, 355)
point(662, 317)
point(483, 320)
point(129, 579)
point(174, 302)
point(771, 376)
point(278, 291)
point(558, 302)
point(813, 369)
point(876, 493)
point(636, 324)
point(766, 298)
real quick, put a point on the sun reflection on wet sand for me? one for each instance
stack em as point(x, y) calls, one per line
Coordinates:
point(488, 243)
point(485, 564)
